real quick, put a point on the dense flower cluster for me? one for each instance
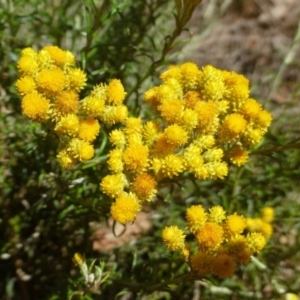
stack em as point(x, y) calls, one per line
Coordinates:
point(50, 84)
point(206, 120)
point(262, 224)
point(221, 241)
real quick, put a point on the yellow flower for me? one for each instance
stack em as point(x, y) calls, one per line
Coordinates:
point(25, 85)
point(115, 163)
point(76, 79)
point(195, 217)
point(217, 214)
point(172, 72)
point(175, 135)
point(171, 109)
point(213, 155)
point(117, 138)
point(59, 56)
point(172, 165)
point(68, 124)
point(113, 185)
point(266, 229)
point(114, 114)
point(232, 126)
point(80, 149)
point(151, 96)
point(35, 106)
point(235, 224)
point(93, 106)
point(188, 120)
point(238, 249)
point(250, 109)
point(144, 186)
point(173, 238)
point(263, 119)
point(267, 214)
point(135, 158)
point(133, 126)
point(27, 65)
point(238, 155)
point(150, 132)
point(88, 129)
point(50, 81)
point(192, 158)
point(206, 112)
point(201, 263)
point(209, 236)
point(125, 208)
point(67, 102)
point(162, 147)
point(252, 136)
point(65, 159)
point(256, 241)
point(115, 92)
point(223, 266)
point(191, 98)
point(190, 76)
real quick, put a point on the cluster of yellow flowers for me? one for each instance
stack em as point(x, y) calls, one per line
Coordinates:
point(50, 84)
point(205, 120)
point(221, 242)
point(262, 224)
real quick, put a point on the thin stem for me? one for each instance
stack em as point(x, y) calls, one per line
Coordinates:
point(277, 149)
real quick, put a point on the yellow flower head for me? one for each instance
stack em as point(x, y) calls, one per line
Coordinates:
point(65, 158)
point(267, 214)
point(115, 92)
point(27, 65)
point(172, 72)
point(250, 109)
point(162, 147)
point(114, 114)
point(235, 224)
point(114, 162)
point(266, 230)
point(195, 217)
point(51, 81)
point(232, 126)
point(125, 208)
point(263, 119)
point(210, 236)
point(191, 98)
point(201, 263)
point(217, 214)
point(93, 106)
point(238, 155)
point(206, 112)
point(25, 85)
point(188, 120)
point(76, 79)
point(135, 158)
point(171, 109)
point(81, 149)
point(238, 249)
point(59, 56)
point(68, 124)
point(223, 266)
point(67, 102)
point(213, 155)
point(35, 106)
point(133, 126)
point(172, 165)
point(150, 132)
point(144, 186)
point(173, 238)
point(117, 138)
point(113, 185)
point(190, 76)
point(175, 135)
point(88, 129)
point(151, 96)
point(256, 241)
